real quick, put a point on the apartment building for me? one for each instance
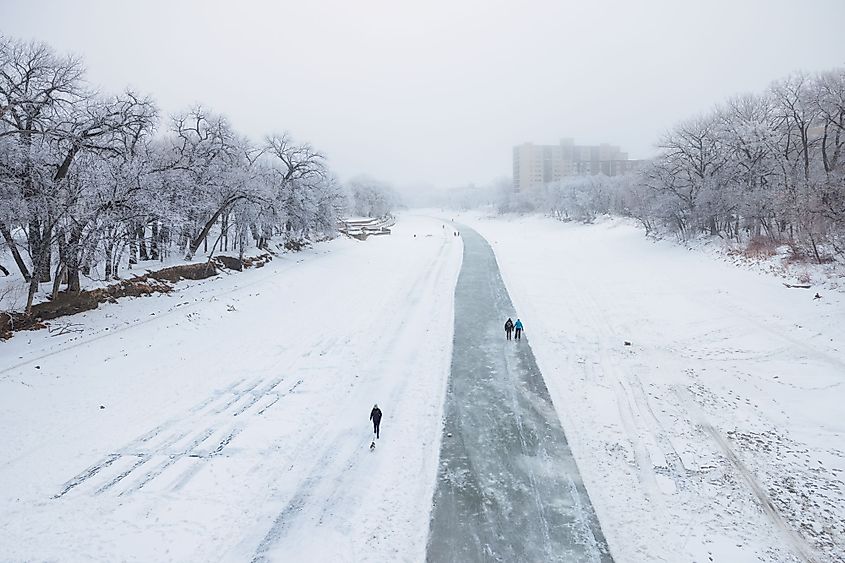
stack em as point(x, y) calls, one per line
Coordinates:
point(537, 165)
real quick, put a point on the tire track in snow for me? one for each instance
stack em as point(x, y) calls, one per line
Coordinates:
point(233, 400)
point(141, 482)
point(674, 463)
point(766, 326)
point(655, 453)
point(630, 414)
point(87, 474)
point(799, 545)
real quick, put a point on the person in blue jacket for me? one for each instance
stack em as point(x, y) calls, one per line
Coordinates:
point(518, 329)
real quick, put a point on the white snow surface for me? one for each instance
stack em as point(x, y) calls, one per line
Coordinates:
point(717, 434)
point(235, 422)
point(236, 413)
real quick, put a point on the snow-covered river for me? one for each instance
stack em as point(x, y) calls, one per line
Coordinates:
point(508, 488)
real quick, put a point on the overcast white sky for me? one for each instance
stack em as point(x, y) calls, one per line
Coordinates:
point(437, 92)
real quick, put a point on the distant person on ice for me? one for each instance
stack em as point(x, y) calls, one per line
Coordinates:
point(518, 327)
point(508, 328)
point(375, 416)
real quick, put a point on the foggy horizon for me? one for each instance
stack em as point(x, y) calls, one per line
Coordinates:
point(434, 94)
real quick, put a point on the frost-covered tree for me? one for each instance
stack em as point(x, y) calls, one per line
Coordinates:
point(371, 198)
point(90, 181)
point(768, 165)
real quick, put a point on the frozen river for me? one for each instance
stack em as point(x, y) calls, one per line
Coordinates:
point(508, 488)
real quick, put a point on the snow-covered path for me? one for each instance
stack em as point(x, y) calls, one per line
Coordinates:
point(235, 421)
point(508, 488)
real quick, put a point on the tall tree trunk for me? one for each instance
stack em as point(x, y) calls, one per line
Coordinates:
point(72, 260)
point(154, 240)
point(33, 238)
point(46, 275)
point(185, 243)
point(30, 295)
point(42, 253)
point(133, 246)
point(815, 249)
point(241, 243)
point(36, 245)
point(87, 255)
point(207, 227)
point(711, 224)
point(108, 265)
point(164, 242)
point(142, 242)
point(13, 247)
point(119, 249)
point(60, 267)
point(61, 270)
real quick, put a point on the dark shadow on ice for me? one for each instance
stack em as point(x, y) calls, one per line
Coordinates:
point(508, 488)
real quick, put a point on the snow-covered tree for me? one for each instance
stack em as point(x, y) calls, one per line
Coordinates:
point(88, 180)
point(370, 197)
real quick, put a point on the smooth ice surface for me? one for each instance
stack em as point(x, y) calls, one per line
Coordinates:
point(508, 488)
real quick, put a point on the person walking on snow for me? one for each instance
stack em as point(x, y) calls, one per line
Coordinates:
point(375, 416)
point(518, 327)
point(508, 328)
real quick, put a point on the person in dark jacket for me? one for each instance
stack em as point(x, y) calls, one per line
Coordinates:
point(518, 327)
point(508, 328)
point(375, 416)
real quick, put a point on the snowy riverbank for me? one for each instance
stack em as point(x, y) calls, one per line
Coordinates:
point(235, 413)
point(727, 398)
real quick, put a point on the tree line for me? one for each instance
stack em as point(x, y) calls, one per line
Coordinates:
point(370, 197)
point(88, 180)
point(768, 165)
